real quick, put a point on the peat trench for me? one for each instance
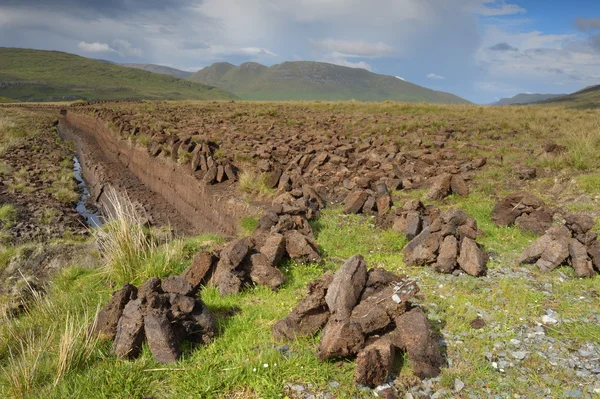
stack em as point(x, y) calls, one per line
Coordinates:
point(163, 192)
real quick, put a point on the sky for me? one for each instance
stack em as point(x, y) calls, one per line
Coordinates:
point(481, 50)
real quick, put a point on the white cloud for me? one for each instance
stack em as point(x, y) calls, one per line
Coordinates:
point(435, 77)
point(95, 47)
point(126, 49)
point(398, 77)
point(254, 51)
point(493, 8)
point(352, 49)
point(344, 62)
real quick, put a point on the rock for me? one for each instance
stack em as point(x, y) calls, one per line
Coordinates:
point(579, 224)
point(205, 323)
point(513, 206)
point(383, 202)
point(553, 148)
point(526, 172)
point(263, 273)
point(230, 172)
point(201, 269)
point(534, 252)
point(340, 339)
point(422, 250)
point(229, 283)
point(555, 254)
point(458, 385)
point(300, 248)
point(235, 252)
point(272, 180)
point(377, 311)
point(374, 363)
point(472, 259)
point(459, 186)
point(448, 254)
point(580, 260)
point(274, 248)
point(177, 285)
point(536, 222)
point(211, 175)
point(309, 315)
point(345, 289)
point(440, 188)
point(414, 335)
point(355, 201)
point(130, 331)
point(106, 323)
point(594, 252)
point(149, 288)
point(378, 279)
point(161, 337)
point(181, 304)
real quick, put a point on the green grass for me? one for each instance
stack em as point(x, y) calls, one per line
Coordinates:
point(8, 215)
point(6, 100)
point(56, 76)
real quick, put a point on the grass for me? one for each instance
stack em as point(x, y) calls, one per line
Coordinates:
point(57, 76)
point(253, 184)
point(8, 215)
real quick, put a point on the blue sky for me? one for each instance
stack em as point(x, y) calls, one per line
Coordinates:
point(479, 49)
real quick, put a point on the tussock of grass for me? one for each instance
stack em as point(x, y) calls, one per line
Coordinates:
point(8, 215)
point(253, 183)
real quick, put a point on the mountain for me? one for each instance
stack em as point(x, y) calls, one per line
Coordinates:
point(526, 98)
point(304, 80)
point(37, 75)
point(587, 98)
point(164, 70)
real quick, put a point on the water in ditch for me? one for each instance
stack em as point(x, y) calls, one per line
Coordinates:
point(91, 216)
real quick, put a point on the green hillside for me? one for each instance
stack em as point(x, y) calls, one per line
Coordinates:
point(304, 80)
point(176, 73)
point(526, 98)
point(6, 100)
point(36, 75)
point(587, 98)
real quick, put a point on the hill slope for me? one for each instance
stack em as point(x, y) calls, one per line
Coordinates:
point(164, 70)
point(526, 98)
point(304, 80)
point(36, 75)
point(582, 99)
point(6, 100)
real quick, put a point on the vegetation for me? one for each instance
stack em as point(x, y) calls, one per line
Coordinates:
point(588, 98)
point(37, 75)
point(303, 80)
point(6, 100)
point(48, 353)
point(526, 98)
point(8, 216)
point(176, 73)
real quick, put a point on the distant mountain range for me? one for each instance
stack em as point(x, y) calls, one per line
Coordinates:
point(587, 98)
point(526, 98)
point(37, 75)
point(164, 70)
point(306, 80)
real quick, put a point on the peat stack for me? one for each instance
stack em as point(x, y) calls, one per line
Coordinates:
point(367, 314)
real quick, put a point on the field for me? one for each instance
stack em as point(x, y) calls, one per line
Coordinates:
point(46, 350)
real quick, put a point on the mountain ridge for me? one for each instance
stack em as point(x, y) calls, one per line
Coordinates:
point(310, 80)
point(41, 75)
point(525, 98)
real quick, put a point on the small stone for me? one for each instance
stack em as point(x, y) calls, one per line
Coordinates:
point(520, 355)
point(549, 320)
point(458, 385)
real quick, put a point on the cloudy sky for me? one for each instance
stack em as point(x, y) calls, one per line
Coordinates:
point(479, 49)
